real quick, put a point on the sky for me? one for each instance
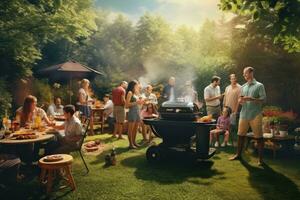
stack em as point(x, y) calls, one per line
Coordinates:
point(177, 12)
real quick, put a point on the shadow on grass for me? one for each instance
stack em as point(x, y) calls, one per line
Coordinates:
point(271, 184)
point(172, 171)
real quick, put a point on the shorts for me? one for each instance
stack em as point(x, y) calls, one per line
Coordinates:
point(255, 124)
point(119, 114)
point(134, 114)
point(215, 111)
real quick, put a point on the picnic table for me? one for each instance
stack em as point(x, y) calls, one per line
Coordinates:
point(98, 117)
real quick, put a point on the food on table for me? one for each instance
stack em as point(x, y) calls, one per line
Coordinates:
point(24, 134)
point(53, 158)
point(26, 137)
point(59, 117)
point(206, 119)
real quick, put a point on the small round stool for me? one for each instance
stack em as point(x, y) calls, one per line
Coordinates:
point(61, 167)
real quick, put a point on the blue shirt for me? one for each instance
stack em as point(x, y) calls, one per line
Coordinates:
point(250, 109)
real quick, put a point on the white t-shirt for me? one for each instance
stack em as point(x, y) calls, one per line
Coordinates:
point(54, 110)
point(73, 127)
point(108, 108)
point(210, 92)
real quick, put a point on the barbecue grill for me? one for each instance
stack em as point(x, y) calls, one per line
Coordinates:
point(180, 131)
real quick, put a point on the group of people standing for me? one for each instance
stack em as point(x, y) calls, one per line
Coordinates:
point(239, 106)
point(240, 103)
point(130, 96)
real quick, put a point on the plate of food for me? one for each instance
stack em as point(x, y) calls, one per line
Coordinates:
point(92, 146)
point(59, 117)
point(53, 158)
point(24, 132)
point(24, 137)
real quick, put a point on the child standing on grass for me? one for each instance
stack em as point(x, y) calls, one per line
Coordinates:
point(223, 126)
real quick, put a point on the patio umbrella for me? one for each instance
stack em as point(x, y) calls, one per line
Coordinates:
point(65, 72)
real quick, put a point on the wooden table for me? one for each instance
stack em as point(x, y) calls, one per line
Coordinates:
point(42, 137)
point(98, 118)
point(50, 169)
point(275, 143)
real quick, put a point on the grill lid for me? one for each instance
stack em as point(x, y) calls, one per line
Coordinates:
point(179, 110)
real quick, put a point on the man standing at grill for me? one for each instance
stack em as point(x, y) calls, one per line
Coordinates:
point(118, 98)
point(168, 91)
point(212, 96)
point(252, 98)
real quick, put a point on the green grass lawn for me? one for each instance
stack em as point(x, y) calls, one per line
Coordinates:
point(134, 178)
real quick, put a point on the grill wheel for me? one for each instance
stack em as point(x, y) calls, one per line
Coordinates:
point(154, 154)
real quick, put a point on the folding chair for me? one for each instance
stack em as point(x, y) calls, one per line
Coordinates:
point(85, 125)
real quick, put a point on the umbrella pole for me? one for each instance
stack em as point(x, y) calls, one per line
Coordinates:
point(70, 90)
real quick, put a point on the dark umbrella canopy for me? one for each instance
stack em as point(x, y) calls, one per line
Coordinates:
point(67, 71)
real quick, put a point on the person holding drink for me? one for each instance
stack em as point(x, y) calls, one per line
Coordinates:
point(133, 102)
point(29, 114)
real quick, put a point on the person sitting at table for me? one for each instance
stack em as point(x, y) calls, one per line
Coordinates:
point(149, 112)
point(72, 133)
point(27, 114)
point(108, 111)
point(9, 168)
point(55, 108)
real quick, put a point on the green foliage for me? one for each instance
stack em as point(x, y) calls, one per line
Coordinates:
point(153, 37)
point(5, 100)
point(280, 19)
point(26, 26)
point(42, 91)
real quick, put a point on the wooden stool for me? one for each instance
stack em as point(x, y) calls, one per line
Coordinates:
point(61, 167)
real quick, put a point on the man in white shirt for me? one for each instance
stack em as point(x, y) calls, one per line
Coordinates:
point(72, 133)
point(212, 97)
point(108, 111)
point(56, 108)
point(150, 96)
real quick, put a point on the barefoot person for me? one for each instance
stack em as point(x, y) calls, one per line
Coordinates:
point(133, 103)
point(252, 97)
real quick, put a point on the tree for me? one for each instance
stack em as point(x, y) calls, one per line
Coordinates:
point(276, 19)
point(27, 25)
point(153, 38)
